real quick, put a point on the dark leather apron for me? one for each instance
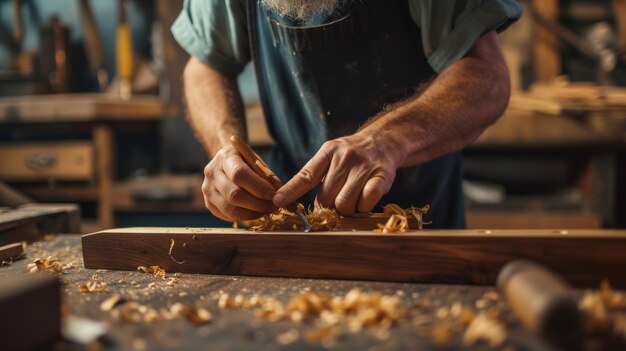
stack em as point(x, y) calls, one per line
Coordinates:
point(323, 79)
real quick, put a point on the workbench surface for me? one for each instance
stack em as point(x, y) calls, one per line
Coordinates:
point(239, 329)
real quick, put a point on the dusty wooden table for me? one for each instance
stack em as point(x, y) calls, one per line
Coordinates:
point(238, 329)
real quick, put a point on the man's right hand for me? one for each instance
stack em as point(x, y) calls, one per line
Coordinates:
point(232, 190)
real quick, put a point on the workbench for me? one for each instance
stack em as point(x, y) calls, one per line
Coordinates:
point(62, 148)
point(237, 329)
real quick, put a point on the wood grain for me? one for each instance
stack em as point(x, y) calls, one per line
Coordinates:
point(583, 257)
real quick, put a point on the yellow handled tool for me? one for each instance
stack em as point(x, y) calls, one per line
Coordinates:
point(124, 53)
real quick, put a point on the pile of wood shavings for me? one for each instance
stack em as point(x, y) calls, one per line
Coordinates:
point(134, 312)
point(48, 264)
point(354, 311)
point(398, 221)
point(321, 219)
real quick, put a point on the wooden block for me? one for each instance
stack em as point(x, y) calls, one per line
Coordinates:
point(31, 221)
point(583, 257)
point(11, 251)
point(31, 311)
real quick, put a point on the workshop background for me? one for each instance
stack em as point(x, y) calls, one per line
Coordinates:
point(91, 112)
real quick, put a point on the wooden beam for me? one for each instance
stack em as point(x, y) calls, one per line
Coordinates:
point(583, 257)
point(547, 54)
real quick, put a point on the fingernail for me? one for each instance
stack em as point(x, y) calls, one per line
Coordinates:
point(269, 195)
point(279, 199)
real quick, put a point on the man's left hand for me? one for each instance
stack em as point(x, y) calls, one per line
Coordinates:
point(355, 172)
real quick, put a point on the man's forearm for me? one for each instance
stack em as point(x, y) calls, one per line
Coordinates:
point(214, 105)
point(451, 113)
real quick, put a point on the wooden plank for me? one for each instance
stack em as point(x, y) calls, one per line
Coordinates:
point(583, 257)
point(11, 251)
point(72, 161)
point(547, 55)
point(31, 312)
point(78, 107)
point(31, 221)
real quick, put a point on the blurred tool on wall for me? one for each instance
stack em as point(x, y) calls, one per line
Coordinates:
point(54, 59)
point(124, 53)
point(93, 45)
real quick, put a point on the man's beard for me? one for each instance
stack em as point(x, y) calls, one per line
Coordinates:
point(302, 10)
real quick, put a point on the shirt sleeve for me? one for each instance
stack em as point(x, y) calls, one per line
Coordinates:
point(451, 27)
point(216, 32)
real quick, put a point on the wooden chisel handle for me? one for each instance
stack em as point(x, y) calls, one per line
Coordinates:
point(543, 302)
point(255, 162)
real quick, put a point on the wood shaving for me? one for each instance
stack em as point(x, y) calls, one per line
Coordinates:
point(92, 286)
point(196, 316)
point(288, 337)
point(134, 312)
point(398, 221)
point(172, 257)
point(354, 311)
point(48, 264)
point(154, 270)
point(610, 298)
point(325, 335)
point(111, 302)
point(321, 219)
point(487, 329)
point(442, 335)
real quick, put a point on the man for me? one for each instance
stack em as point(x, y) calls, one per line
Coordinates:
point(369, 101)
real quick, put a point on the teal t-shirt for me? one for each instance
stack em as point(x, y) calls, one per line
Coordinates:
point(215, 31)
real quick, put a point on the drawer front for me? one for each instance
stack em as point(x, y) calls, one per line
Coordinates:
point(42, 161)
